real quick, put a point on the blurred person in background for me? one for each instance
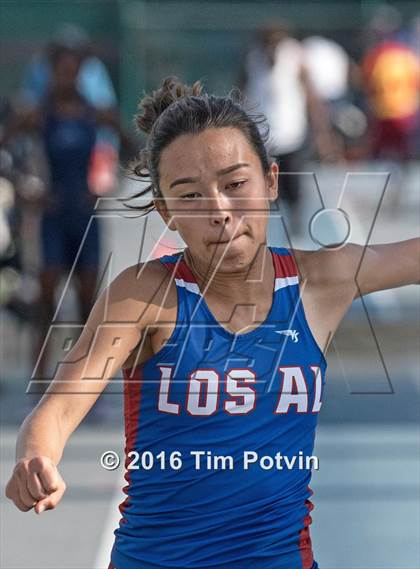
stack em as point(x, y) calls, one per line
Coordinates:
point(18, 284)
point(9, 254)
point(337, 80)
point(413, 41)
point(414, 35)
point(67, 125)
point(93, 83)
point(276, 83)
point(391, 73)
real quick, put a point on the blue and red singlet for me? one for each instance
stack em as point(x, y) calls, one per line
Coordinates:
point(206, 417)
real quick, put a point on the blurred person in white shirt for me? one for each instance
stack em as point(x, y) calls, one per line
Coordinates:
point(277, 83)
point(337, 80)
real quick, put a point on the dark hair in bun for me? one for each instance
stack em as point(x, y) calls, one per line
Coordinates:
point(176, 109)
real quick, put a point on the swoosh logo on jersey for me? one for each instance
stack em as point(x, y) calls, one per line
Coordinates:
point(292, 333)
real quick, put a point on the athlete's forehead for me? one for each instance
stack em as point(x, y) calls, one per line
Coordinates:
point(205, 154)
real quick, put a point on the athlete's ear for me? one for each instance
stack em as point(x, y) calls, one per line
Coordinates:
point(162, 209)
point(272, 182)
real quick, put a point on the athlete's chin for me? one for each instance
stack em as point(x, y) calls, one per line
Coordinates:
point(226, 247)
point(232, 253)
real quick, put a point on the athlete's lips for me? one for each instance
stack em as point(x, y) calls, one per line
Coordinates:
point(226, 240)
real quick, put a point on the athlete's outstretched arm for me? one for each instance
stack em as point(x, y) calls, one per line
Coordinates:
point(332, 278)
point(387, 265)
point(364, 269)
point(120, 312)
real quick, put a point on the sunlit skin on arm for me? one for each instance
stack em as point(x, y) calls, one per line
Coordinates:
point(114, 328)
point(332, 278)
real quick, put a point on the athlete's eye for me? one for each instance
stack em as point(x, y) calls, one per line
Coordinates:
point(188, 196)
point(236, 185)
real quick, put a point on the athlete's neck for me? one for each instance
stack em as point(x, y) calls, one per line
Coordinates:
point(245, 285)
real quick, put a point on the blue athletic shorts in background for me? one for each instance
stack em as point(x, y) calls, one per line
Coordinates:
point(67, 237)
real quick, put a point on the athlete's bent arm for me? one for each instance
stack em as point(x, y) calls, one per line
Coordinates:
point(76, 386)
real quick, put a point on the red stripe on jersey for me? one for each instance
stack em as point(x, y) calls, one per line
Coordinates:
point(180, 270)
point(132, 397)
point(184, 272)
point(285, 265)
point(305, 543)
point(110, 566)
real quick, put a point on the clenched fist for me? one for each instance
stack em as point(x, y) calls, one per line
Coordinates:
point(35, 483)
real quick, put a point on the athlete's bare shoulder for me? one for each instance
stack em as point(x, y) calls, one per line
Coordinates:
point(144, 295)
point(139, 292)
point(327, 287)
point(329, 267)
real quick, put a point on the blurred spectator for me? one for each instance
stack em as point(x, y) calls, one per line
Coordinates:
point(336, 78)
point(414, 35)
point(413, 41)
point(67, 124)
point(391, 72)
point(276, 83)
point(384, 24)
point(93, 83)
point(15, 286)
point(328, 66)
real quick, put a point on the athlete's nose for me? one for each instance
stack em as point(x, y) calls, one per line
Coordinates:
point(220, 219)
point(219, 211)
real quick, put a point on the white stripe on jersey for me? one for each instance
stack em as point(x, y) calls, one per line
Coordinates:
point(282, 282)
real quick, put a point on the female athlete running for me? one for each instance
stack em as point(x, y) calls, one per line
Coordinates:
point(222, 350)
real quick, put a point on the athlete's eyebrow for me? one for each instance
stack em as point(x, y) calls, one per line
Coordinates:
point(219, 173)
